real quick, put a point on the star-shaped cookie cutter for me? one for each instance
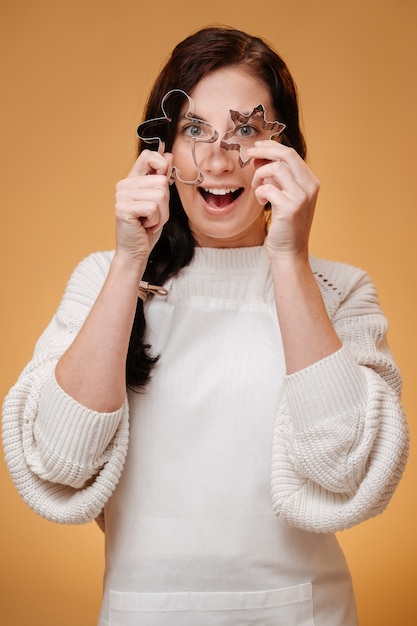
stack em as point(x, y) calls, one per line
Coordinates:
point(242, 121)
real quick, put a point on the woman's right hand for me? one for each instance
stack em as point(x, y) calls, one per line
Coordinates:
point(142, 205)
point(93, 369)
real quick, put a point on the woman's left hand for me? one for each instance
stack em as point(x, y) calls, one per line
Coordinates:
point(283, 179)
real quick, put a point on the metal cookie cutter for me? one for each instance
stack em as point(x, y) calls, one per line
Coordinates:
point(153, 130)
point(256, 127)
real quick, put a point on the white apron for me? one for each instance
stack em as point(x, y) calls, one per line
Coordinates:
point(191, 538)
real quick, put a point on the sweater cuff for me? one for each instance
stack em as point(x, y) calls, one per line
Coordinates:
point(329, 388)
point(68, 430)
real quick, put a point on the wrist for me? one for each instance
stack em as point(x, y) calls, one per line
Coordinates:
point(289, 262)
point(129, 265)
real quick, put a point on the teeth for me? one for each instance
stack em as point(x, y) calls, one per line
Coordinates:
point(221, 192)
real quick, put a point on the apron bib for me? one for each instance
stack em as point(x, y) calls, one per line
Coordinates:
point(191, 538)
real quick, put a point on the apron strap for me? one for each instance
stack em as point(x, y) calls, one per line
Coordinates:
point(261, 275)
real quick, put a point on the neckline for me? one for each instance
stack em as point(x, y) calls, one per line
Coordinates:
point(226, 258)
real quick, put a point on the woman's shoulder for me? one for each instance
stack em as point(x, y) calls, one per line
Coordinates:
point(95, 262)
point(337, 274)
point(87, 278)
point(339, 282)
point(95, 266)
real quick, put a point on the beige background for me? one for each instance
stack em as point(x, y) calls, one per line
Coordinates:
point(74, 77)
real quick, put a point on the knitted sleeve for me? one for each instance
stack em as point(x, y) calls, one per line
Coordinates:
point(64, 459)
point(341, 438)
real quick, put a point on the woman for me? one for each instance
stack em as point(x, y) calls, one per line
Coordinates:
point(263, 403)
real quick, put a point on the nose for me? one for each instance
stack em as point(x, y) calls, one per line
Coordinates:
point(214, 158)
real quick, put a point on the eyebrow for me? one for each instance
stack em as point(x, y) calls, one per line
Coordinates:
point(192, 117)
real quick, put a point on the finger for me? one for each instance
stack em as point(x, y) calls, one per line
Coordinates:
point(287, 176)
point(146, 214)
point(153, 218)
point(150, 216)
point(166, 167)
point(271, 151)
point(276, 173)
point(139, 187)
point(137, 203)
point(269, 193)
point(281, 199)
point(150, 162)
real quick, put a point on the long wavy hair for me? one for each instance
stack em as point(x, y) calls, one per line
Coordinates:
point(192, 59)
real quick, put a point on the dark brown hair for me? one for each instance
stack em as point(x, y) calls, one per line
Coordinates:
point(192, 59)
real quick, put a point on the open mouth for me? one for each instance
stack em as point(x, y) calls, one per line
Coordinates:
point(218, 198)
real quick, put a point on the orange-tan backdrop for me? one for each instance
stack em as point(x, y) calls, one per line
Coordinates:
point(74, 77)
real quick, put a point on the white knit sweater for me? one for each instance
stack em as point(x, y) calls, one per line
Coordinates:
point(340, 442)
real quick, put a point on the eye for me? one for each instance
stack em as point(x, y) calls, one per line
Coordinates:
point(246, 131)
point(193, 130)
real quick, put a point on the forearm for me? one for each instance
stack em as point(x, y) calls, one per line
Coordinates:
point(306, 330)
point(93, 369)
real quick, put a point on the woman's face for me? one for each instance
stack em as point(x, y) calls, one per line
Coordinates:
point(222, 210)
